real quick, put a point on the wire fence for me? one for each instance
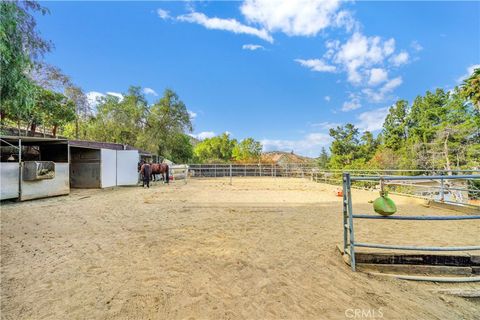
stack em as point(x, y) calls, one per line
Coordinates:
point(447, 190)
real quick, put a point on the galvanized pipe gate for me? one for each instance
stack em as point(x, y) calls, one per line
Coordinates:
point(349, 241)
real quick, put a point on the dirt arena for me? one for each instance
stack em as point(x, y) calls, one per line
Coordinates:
point(263, 248)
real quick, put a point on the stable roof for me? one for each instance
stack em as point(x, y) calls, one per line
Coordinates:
point(28, 141)
point(105, 145)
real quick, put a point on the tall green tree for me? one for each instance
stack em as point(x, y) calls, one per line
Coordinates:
point(426, 114)
point(20, 48)
point(344, 148)
point(247, 150)
point(368, 146)
point(179, 148)
point(458, 135)
point(52, 78)
point(394, 130)
point(165, 120)
point(470, 88)
point(120, 120)
point(219, 148)
point(323, 159)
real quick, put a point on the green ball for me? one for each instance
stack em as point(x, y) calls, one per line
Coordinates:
point(384, 206)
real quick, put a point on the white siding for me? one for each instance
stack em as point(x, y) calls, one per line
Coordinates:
point(9, 180)
point(127, 167)
point(59, 185)
point(108, 168)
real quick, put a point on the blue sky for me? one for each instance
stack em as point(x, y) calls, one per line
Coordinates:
point(283, 72)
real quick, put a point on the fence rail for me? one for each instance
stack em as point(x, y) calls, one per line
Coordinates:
point(404, 182)
point(349, 242)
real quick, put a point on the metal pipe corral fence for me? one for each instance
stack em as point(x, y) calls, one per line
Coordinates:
point(453, 186)
point(457, 187)
point(348, 216)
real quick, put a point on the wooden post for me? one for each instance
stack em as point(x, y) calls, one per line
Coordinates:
point(230, 174)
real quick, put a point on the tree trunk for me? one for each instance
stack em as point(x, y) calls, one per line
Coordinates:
point(76, 127)
point(33, 128)
point(445, 152)
point(54, 131)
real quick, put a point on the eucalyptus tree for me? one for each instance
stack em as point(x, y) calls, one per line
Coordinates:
point(21, 46)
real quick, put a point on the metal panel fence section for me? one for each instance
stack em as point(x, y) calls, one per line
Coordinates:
point(247, 170)
point(455, 191)
point(350, 242)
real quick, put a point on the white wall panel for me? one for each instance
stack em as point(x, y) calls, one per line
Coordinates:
point(127, 167)
point(8, 180)
point(108, 168)
point(57, 186)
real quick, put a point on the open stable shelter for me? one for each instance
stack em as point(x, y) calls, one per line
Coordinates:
point(35, 167)
point(101, 165)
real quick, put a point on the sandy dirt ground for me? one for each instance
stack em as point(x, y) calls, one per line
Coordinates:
point(262, 248)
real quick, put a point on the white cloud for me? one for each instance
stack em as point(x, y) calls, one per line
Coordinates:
point(381, 94)
point(399, 59)
point(295, 18)
point(392, 84)
point(93, 98)
point(310, 145)
point(203, 135)
point(116, 94)
point(469, 72)
point(252, 47)
point(360, 52)
point(325, 125)
point(345, 19)
point(377, 76)
point(327, 98)
point(163, 14)
point(372, 120)
point(351, 105)
point(150, 91)
point(316, 65)
point(192, 114)
point(231, 25)
point(416, 46)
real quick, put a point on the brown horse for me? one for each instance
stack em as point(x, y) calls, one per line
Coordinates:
point(161, 168)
